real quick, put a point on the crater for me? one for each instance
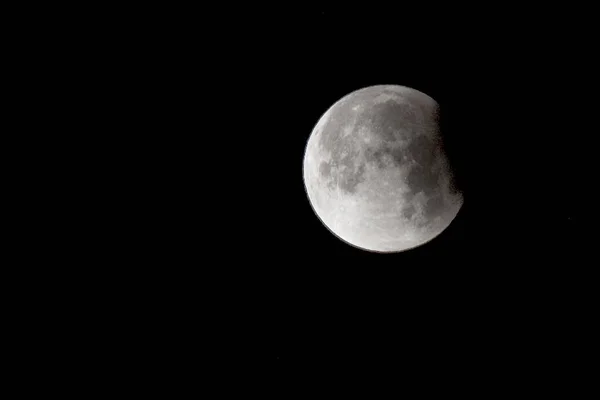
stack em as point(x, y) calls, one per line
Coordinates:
point(408, 211)
point(325, 170)
point(350, 180)
point(374, 156)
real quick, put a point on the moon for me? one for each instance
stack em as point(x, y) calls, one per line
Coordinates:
point(376, 173)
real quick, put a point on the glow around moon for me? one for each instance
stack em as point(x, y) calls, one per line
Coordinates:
point(375, 171)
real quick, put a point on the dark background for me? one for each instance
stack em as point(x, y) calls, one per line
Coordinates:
point(506, 286)
point(207, 243)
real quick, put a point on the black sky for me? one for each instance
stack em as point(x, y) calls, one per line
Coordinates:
point(232, 99)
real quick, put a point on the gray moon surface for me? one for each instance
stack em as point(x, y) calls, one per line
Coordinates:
point(376, 173)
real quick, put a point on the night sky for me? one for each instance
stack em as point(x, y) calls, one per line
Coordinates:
point(232, 102)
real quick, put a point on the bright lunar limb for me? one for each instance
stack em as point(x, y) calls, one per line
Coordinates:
point(375, 171)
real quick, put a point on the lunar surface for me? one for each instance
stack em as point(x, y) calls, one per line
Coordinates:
point(376, 173)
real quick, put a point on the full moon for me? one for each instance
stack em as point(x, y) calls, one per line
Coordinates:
point(376, 173)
